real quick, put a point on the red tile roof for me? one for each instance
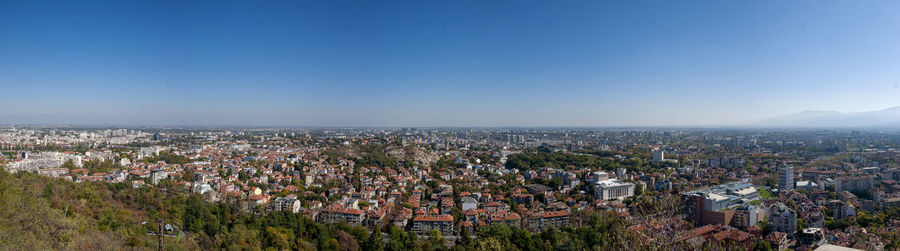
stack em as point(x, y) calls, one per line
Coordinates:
point(433, 218)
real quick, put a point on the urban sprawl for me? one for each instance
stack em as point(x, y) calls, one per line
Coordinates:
point(801, 189)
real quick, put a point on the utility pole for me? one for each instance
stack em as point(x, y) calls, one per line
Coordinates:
point(160, 234)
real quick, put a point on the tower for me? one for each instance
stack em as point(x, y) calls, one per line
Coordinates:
point(785, 178)
point(659, 155)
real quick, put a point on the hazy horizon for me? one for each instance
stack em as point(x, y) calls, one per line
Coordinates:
point(443, 64)
point(765, 123)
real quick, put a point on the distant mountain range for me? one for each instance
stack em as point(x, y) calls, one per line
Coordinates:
point(889, 117)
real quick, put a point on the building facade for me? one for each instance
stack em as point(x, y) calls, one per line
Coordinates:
point(423, 224)
point(613, 189)
point(782, 218)
point(785, 178)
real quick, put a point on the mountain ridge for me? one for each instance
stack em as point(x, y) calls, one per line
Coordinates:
point(888, 117)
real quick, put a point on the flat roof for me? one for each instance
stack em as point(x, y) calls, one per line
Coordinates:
point(829, 247)
point(716, 197)
point(612, 183)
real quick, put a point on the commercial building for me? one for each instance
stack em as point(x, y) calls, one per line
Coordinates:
point(715, 205)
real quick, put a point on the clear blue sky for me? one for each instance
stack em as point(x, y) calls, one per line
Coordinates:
point(443, 63)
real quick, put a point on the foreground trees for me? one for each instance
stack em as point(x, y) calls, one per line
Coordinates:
point(43, 213)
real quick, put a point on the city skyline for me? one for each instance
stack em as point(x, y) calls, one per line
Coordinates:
point(479, 64)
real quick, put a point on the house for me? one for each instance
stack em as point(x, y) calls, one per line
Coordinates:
point(778, 241)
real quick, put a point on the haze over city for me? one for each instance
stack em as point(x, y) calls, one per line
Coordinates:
point(444, 63)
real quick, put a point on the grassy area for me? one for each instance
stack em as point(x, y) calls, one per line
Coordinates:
point(765, 194)
point(754, 202)
point(11, 155)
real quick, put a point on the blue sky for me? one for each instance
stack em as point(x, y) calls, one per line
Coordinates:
point(443, 63)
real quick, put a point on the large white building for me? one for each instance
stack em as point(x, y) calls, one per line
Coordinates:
point(607, 189)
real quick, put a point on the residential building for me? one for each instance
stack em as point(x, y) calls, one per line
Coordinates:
point(542, 221)
point(469, 203)
point(748, 215)
point(854, 183)
point(782, 218)
point(335, 213)
point(423, 224)
point(785, 178)
point(659, 155)
point(286, 204)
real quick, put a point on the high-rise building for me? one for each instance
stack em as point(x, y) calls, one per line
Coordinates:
point(659, 155)
point(785, 178)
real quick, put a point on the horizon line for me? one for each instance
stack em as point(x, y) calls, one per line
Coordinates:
point(89, 125)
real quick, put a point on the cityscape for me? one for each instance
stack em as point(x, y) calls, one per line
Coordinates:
point(439, 188)
point(449, 125)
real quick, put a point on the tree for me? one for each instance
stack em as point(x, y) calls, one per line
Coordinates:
point(489, 244)
point(347, 242)
point(434, 237)
point(765, 227)
point(762, 245)
point(464, 239)
point(397, 241)
point(28, 221)
point(188, 174)
point(801, 224)
point(279, 238)
point(68, 165)
point(375, 241)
